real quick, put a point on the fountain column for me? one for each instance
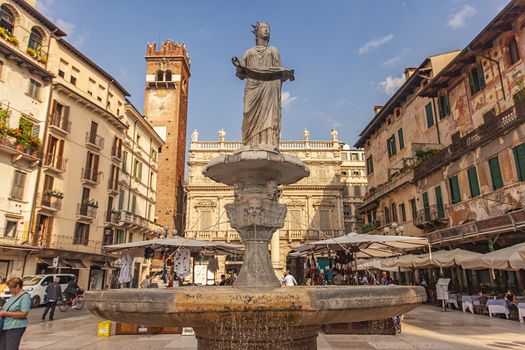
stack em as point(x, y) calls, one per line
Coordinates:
point(276, 254)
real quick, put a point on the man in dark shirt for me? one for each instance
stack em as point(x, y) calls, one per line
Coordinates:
point(71, 292)
point(54, 293)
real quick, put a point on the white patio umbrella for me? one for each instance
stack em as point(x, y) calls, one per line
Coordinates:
point(510, 258)
point(455, 257)
point(375, 264)
point(364, 245)
point(404, 261)
point(193, 245)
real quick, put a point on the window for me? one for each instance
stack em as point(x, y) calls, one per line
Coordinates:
point(101, 92)
point(391, 146)
point(7, 19)
point(473, 182)
point(74, 76)
point(148, 212)
point(1, 69)
point(455, 194)
point(393, 208)
point(439, 202)
point(443, 106)
point(495, 173)
point(110, 98)
point(514, 53)
point(120, 236)
point(125, 161)
point(91, 87)
point(35, 40)
point(133, 204)
point(386, 215)
point(402, 212)
point(205, 220)
point(159, 76)
point(476, 79)
point(401, 138)
point(369, 165)
point(426, 206)
point(62, 67)
point(137, 170)
point(347, 210)
point(168, 75)
point(430, 115)
point(34, 89)
point(519, 159)
point(10, 228)
point(357, 191)
point(413, 207)
point(19, 180)
point(81, 234)
point(324, 219)
point(121, 200)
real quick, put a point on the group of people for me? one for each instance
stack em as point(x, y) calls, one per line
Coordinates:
point(14, 312)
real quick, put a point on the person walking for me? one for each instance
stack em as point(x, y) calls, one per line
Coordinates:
point(54, 294)
point(14, 315)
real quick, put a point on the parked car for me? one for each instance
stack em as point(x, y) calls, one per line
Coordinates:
point(36, 285)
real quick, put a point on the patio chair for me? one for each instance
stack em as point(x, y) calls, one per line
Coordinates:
point(468, 302)
point(521, 311)
point(452, 299)
point(498, 306)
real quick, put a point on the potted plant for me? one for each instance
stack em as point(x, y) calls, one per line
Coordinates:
point(8, 36)
point(36, 54)
point(92, 203)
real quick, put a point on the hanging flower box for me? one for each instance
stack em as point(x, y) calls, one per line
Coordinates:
point(8, 36)
point(37, 55)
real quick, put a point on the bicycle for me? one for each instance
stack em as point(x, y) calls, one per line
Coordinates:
point(67, 303)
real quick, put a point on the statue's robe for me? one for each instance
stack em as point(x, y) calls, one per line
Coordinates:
point(261, 123)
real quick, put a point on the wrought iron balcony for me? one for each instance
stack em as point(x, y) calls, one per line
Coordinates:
point(91, 176)
point(86, 211)
point(54, 162)
point(431, 216)
point(49, 202)
point(94, 141)
point(60, 125)
point(485, 133)
point(116, 153)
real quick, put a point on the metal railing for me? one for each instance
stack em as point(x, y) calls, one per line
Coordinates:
point(55, 162)
point(116, 152)
point(94, 140)
point(430, 214)
point(49, 201)
point(86, 210)
point(61, 124)
point(488, 131)
point(91, 175)
point(292, 235)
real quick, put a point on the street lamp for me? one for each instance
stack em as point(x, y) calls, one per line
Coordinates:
point(398, 229)
point(163, 232)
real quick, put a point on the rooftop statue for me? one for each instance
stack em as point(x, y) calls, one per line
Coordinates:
point(261, 65)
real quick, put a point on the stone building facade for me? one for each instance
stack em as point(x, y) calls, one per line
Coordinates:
point(353, 178)
point(165, 107)
point(315, 204)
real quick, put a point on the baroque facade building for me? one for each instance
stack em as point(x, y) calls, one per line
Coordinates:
point(353, 178)
point(315, 204)
point(69, 141)
point(165, 107)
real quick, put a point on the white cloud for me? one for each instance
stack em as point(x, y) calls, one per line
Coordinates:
point(287, 99)
point(67, 27)
point(372, 44)
point(44, 6)
point(457, 20)
point(391, 84)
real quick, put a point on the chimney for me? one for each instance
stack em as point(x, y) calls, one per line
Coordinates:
point(377, 109)
point(409, 71)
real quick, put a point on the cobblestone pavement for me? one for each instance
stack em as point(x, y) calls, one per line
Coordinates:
point(424, 328)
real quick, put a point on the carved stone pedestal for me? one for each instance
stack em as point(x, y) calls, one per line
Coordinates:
point(256, 213)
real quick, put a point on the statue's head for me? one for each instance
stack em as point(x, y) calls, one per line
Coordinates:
point(261, 30)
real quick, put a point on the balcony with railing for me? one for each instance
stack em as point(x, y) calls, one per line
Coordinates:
point(290, 235)
point(284, 146)
point(91, 176)
point(135, 221)
point(75, 243)
point(54, 163)
point(116, 153)
point(87, 211)
point(60, 125)
point(94, 141)
point(113, 186)
point(431, 217)
point(488, 131)
point(50, 201)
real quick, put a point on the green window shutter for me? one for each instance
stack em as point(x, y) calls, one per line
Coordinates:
point(388, 148)
point(133, 204)
point(455, 194)
point(473, 182)
point(439, 202)
point(430, 115)
point(121, 200)
point(393, 143)
point(401, 138)
point(495, 173)
point(519, 159)
point(125, 161)
point(472, 83)
point(426, 206)
point(447, 105)
point(481, 76)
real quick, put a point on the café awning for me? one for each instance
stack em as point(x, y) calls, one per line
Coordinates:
point(510, 258)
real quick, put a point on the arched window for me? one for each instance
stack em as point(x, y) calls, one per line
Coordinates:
point(167, 75)
point(7, 19)
point(35, 39)
point(159, 76)
point(514, 54)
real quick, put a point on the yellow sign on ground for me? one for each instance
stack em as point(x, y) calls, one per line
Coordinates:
point(104, 328)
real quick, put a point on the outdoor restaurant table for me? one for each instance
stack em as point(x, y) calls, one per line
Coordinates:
point(498, 306)
point(521, 311)
point(468, 302)
point(453, 299)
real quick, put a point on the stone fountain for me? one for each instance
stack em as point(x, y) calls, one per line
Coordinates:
point(256, 313)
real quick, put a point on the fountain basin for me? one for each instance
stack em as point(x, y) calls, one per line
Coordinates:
point(226, 318)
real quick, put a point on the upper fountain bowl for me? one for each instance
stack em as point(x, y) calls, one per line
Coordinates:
point(259, 165)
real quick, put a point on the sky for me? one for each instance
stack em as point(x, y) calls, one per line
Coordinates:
point(348, 55)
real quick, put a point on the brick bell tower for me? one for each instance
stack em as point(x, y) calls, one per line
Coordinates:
point(165, 108)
